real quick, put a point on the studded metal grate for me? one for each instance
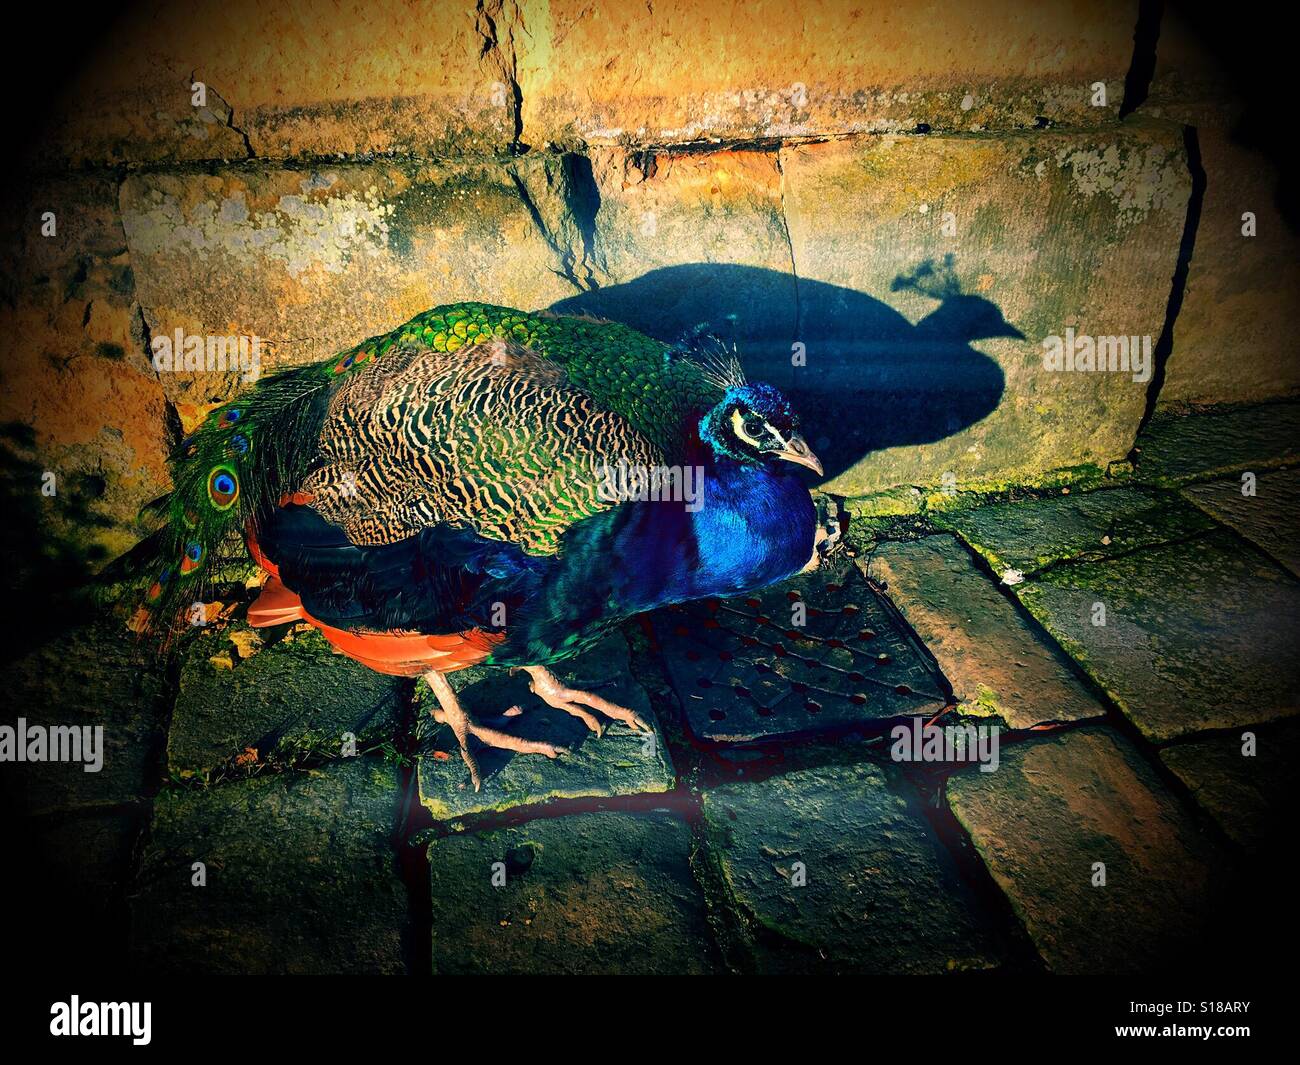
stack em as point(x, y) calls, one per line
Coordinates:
point(744, 669)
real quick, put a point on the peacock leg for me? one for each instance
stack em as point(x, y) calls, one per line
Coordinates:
point(552, 691)
point(450, 712)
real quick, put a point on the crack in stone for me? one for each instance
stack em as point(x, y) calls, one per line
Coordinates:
point(1137, 82)
point(582, 200)
point(229, 116)
point(569, 178)
point(1164, 346)
point(563, 254)
point(502, 61)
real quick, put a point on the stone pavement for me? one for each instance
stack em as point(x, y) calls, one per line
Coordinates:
point(268, 806)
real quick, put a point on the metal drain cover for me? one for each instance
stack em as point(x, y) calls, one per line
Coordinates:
point(747, 669)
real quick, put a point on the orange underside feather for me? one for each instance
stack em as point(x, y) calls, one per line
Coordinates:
point(399, 654)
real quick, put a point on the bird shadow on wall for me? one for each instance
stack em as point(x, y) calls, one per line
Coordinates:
point(872, 380)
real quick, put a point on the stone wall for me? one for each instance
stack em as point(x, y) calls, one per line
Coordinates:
point(911, 196)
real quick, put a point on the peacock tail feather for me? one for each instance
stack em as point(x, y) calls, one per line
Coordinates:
point(226, 475)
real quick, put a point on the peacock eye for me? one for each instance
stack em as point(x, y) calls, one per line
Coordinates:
point(748, 427)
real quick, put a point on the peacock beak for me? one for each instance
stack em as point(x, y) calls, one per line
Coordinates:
point(797, 450)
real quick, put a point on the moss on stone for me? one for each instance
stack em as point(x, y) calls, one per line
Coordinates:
point(848, 873)
point(1032, 533)
point(287, 703)
point(1195, 635)
point(585, 894)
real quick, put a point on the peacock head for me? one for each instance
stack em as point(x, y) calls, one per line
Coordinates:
point(753, 424)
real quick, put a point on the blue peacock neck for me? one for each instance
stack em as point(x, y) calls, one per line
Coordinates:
point(750, 525)
point(755, 526)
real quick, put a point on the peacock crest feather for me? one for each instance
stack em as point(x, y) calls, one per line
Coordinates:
point(717, 362)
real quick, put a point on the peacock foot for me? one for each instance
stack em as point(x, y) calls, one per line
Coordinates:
point(450, 712)
point(553, 692)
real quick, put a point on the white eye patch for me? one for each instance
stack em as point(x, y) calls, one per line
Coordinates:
point(738, 426)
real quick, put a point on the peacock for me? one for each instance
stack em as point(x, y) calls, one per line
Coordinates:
point(488, 486)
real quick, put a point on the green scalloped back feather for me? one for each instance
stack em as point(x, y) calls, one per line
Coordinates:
point(623, 370)
point(254, 450)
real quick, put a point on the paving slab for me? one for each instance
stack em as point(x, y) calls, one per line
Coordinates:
point(289, 696)
point(1198, 635)
point(882, 895)
point(745, 669)
point(1270, 517)
point(95, 676)
point(995, 658)
point(1028, 534)
point(1055, 808)
point(621, 762)
point(301, 876)
point(596, 893)
point(1246, 793)
point(1176, 448)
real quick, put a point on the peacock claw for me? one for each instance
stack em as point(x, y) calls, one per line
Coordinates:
point(451, 713)
point(553, 692)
